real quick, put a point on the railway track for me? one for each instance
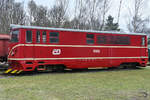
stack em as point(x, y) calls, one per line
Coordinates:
point(3, 66)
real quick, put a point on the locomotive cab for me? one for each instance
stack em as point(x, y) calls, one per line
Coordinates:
point(14, 52)
point(14, 40)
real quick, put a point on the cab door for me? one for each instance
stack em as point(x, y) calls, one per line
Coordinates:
point(29, 45)
point(40, 48)
point(37, 42)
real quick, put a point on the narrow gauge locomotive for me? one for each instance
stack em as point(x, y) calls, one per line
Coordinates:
point(42, 48)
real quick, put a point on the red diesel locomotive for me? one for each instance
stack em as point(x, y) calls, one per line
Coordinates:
point(41, 48)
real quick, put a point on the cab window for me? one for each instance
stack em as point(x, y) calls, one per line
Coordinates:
point(15, 36)
point(28, 36)
point(101, 39)
point(143, 41)
point(44, 37)
point(37, 36)
point(54, 37)
point(90, 38)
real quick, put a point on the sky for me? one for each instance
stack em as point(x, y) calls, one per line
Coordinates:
point(124, 16)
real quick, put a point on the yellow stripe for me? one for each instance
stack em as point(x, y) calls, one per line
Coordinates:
point(19, 72)
point(8, 71)
point(14, 71)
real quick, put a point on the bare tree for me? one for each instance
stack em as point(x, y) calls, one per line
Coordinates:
point(32, 10)
point(79, 16)
point(137, 23)
point(11, 13)
point(104, 10)
point(38, 15)
point(93, 18)
point(19, 15)
point(90, 14)
point(120, 6)
point(58, 13)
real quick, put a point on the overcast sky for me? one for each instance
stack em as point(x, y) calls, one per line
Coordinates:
point(113, 11)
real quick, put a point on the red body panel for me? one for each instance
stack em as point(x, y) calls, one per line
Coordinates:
point(73, 52)
point(4, 43)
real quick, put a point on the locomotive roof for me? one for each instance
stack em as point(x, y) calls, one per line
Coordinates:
point(13, 26)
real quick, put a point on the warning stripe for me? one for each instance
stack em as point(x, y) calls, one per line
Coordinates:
point(13, 72)
point(9, 70)
point(19, 72)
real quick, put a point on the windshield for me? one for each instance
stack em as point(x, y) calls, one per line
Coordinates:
point(15, 36)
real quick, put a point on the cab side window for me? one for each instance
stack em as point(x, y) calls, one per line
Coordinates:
point(15, 36)
point(101, 39)
point(37, 36)
point(44, 37)
point(143, 41)
point(90, 38)
point(28, 36)
point(54, 37)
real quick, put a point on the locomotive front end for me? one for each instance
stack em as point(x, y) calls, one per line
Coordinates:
point(14, 53)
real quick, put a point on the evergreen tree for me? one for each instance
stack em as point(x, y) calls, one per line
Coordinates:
point(110, 25)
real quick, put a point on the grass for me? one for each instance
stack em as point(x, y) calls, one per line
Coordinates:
point(131, 84)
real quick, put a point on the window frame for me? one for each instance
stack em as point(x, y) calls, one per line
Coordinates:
point(52, 37)
point(15, 34)
point(31, 36)
point(99, 41)
point(143, 41)
point(89, 38)
point(113, 40)
point(38, 36)
point(44, 39)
